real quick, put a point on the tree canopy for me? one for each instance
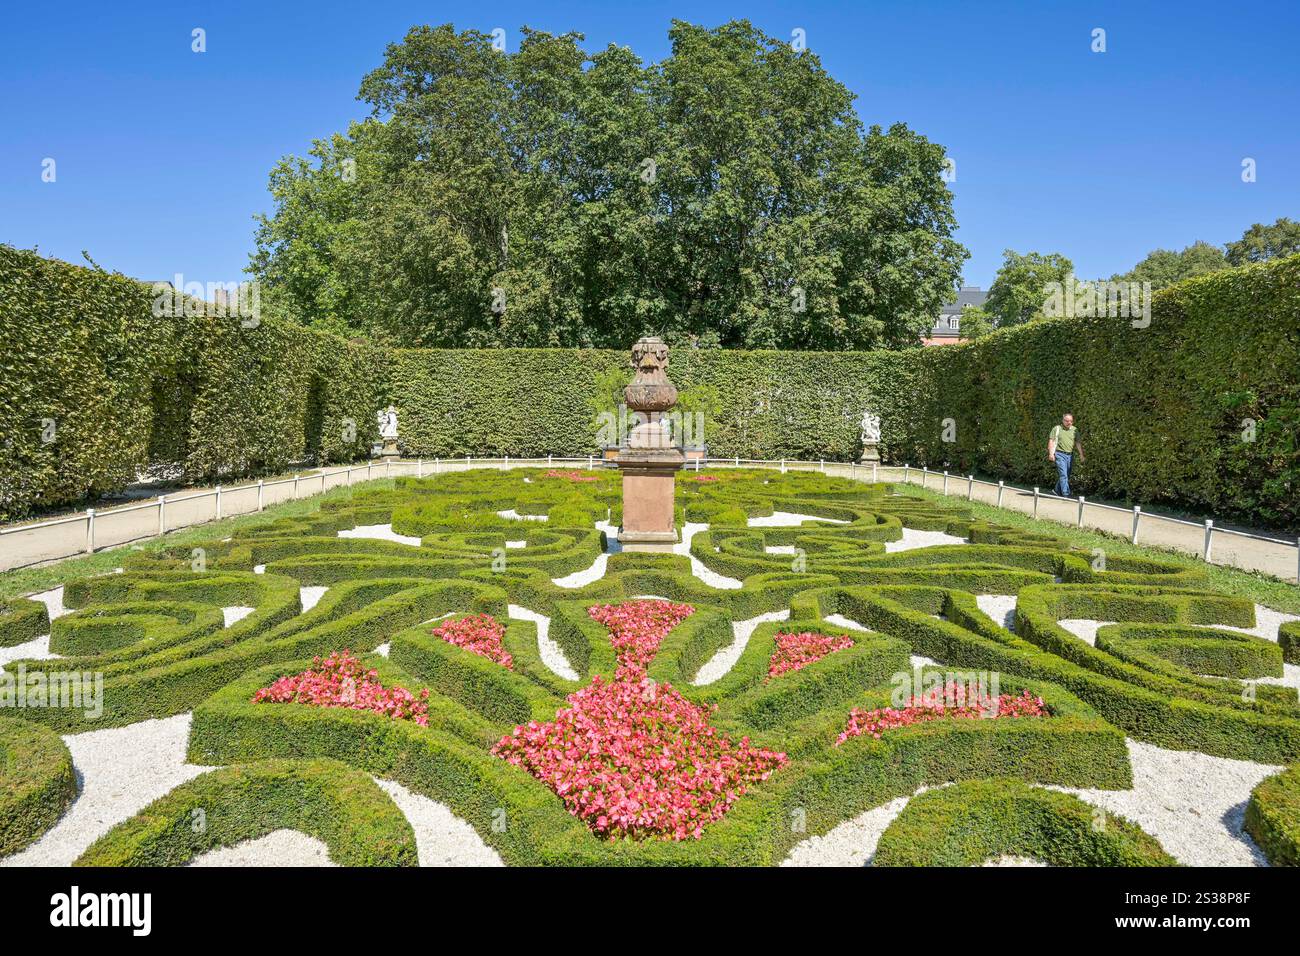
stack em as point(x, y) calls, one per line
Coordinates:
point(1164, 267)
point(1020, 289)
point(553, 197)
point(1261, 242)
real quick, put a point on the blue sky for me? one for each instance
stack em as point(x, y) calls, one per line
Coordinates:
point(163, 154)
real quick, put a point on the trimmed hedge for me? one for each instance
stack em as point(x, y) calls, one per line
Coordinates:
point(978, 820)
point(94, 388)
point(341, 807)
point(1273, 817)
point(22, 621)
point(1199, 409)
point(37, 782)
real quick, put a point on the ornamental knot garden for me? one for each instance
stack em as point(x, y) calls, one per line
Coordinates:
point(810, 650)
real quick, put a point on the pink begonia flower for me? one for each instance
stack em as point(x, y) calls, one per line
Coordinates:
point(954, 702)
point(341, 680)
point(480, 634)
point(569, 475)
point(632, 758)
point(796, 651)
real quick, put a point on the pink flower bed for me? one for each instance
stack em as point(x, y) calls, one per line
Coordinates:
point(796, 651)
point(569, 475)
point(341, 680)
point(481, 634)
point(637, 628)
point(704, 478)
point(951, 705)
point(632, 758)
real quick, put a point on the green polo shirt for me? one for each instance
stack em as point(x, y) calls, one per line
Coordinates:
point(1064, 438)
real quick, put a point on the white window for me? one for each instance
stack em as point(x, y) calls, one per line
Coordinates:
point(952, 322)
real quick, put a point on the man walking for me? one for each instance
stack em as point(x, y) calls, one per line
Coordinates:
point(1062, 445)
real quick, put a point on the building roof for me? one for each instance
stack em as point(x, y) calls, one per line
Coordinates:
point(969, 295)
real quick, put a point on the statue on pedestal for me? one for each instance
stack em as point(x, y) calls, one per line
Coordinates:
point(651, 459)
point(870, 437)
point(388, 432)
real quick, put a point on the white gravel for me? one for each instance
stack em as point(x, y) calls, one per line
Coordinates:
point(698, 568)
point(789, 519)
point(383, 532)
point(38, 649)
point(310, 596)
point(725, 659)
point(1194, 804)
point(441, 837)
point(515, 515)
point(780, 549)
point(121, 771)
point(1014, 861)
point(551, 653)
point(913, 539)
point(853, 842)
point(277, 848)
point(53, 601)
point(1001, 608)
point(236, 613)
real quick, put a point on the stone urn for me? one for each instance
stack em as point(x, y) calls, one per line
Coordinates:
point(650, 394)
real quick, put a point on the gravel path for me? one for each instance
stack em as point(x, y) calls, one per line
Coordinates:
point(725, 659)
point(277, 848)
point(442, 838)
point(1001, 608)
point(698, 568)
point(788, 519)
point(121, 771)
point(1194, 804)
point(913, 539)
point(551, 653)
point(237, 613)
point(383, 532)
point(310, 596)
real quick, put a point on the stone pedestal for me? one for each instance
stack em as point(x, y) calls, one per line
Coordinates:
point(390, 451)
point(649, 476)
point(870, 455)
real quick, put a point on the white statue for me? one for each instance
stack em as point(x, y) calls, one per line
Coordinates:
point(870, 428)
point(388, 423)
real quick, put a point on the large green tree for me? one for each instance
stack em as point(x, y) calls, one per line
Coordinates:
point(1164, 267)
point(548, 196)
point(1023, 285)
point(1261, 242)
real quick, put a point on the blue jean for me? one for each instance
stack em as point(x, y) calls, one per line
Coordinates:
point(1063, 463)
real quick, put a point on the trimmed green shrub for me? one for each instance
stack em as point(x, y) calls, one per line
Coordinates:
point(341, 807)
point(22, 621)
point(978, 820)
point(37, 782)
point(1273, 817)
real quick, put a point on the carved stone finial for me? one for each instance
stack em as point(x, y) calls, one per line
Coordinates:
point(650, 391)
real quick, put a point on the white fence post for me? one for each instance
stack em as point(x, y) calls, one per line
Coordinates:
point(589, 457)
point(370, 471)
point(419, 468)
point(1209, 539)
point(218, 502)
point(1137, 517)
point(90, 530)
point(162, 514)
point(548, 461)
point(970, 487)
point(507, 464)
point(1080, 511)
point(945, 482)
point(295, 486)
point(822, 464)
point(925, 475)
point(261, 491)
point(1001, 486)
point(783, 466)
point(1035, 501)
point(905, 470)
point(388, 467)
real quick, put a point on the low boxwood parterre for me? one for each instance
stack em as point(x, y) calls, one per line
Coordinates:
point(325, 799)
point(975, 821)
point(1165, 672)
point(1273, 817)
point(37, 782)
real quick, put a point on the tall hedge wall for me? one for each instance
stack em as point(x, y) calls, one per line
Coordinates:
point(94, 388)
point(1199, 409)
